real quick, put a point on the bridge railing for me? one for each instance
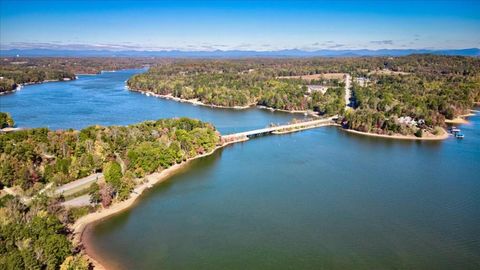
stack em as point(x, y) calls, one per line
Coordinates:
point(244, 134)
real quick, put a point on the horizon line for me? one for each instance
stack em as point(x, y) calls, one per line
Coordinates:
point(239, 50)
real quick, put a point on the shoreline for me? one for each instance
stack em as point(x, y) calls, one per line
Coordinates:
point(21, 85)
point(460, 119)
point(82, 225)
point(199, 103)
point(444, 136)
point(191, 101)
point(304, 128)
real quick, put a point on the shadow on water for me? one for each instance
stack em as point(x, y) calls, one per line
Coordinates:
point(179, 177)
point(103, 100)
point(318, 198)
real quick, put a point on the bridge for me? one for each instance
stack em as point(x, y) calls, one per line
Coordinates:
point(280, 129)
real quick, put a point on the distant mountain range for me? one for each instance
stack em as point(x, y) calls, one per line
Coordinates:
point(233, 53)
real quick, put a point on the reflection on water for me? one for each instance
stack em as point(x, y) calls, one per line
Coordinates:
point(316, 199)
point(102, 99)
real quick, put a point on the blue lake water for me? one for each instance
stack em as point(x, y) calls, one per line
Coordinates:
point(318, 199)
point(102, 99)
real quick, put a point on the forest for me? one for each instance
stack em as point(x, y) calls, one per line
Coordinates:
point(429, 89)
point(30, 158)
point(11, 77)
point(35, 236)
point(25, 70)
point(231, 83)
point(425, 88)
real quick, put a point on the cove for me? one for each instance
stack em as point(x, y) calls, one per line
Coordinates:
point(318, 199)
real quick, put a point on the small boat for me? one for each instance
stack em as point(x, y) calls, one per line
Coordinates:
point(459, 136)
point(455, 130)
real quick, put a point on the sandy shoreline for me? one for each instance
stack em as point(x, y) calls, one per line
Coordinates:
point(400, 137)
point(199, 103)
point(191, 101)
point(80, 227)
point(459, 119)
point(311, 113)
point(21, 85)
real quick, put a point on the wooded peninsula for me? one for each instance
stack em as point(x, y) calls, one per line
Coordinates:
point(391, 95)
point(408, 96)
point(36, 235)
point(15, 71)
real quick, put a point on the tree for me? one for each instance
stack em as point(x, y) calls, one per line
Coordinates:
point(6, 120)
point(106, 195)
point(94, 193)
point(77, 262)
point(126, 187)
point(112, 171)
point(419, 133)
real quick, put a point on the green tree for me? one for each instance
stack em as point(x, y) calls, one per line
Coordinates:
point(112, 171)
point(6, 120)
point(419, 133)
point(94, 193)
point(77, 262)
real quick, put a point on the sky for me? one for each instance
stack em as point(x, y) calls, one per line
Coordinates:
point(239, 25)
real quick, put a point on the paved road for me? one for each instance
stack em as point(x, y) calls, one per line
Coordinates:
point(77, 184)
point(83, 200)
point(348, 92)
point(312, 124)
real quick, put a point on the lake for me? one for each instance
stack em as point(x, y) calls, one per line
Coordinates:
point(317, 199)
point(103, 99)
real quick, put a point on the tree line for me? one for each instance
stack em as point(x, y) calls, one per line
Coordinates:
point(21, 70)
point(425, 88)
point(31, 158)
point(435, 88)
point(234, 83)
point(36, 236)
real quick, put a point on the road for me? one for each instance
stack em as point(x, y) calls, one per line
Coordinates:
point(348, 91)
point(83, 200)
point(78, 185)
point(306, 124)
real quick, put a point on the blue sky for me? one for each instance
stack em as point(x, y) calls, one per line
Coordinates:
point(244, 25)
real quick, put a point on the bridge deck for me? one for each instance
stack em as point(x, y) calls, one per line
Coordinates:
point(312, 124)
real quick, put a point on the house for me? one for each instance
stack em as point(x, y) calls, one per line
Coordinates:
point(362, 81)
point(317, 88)
point(407, 120)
